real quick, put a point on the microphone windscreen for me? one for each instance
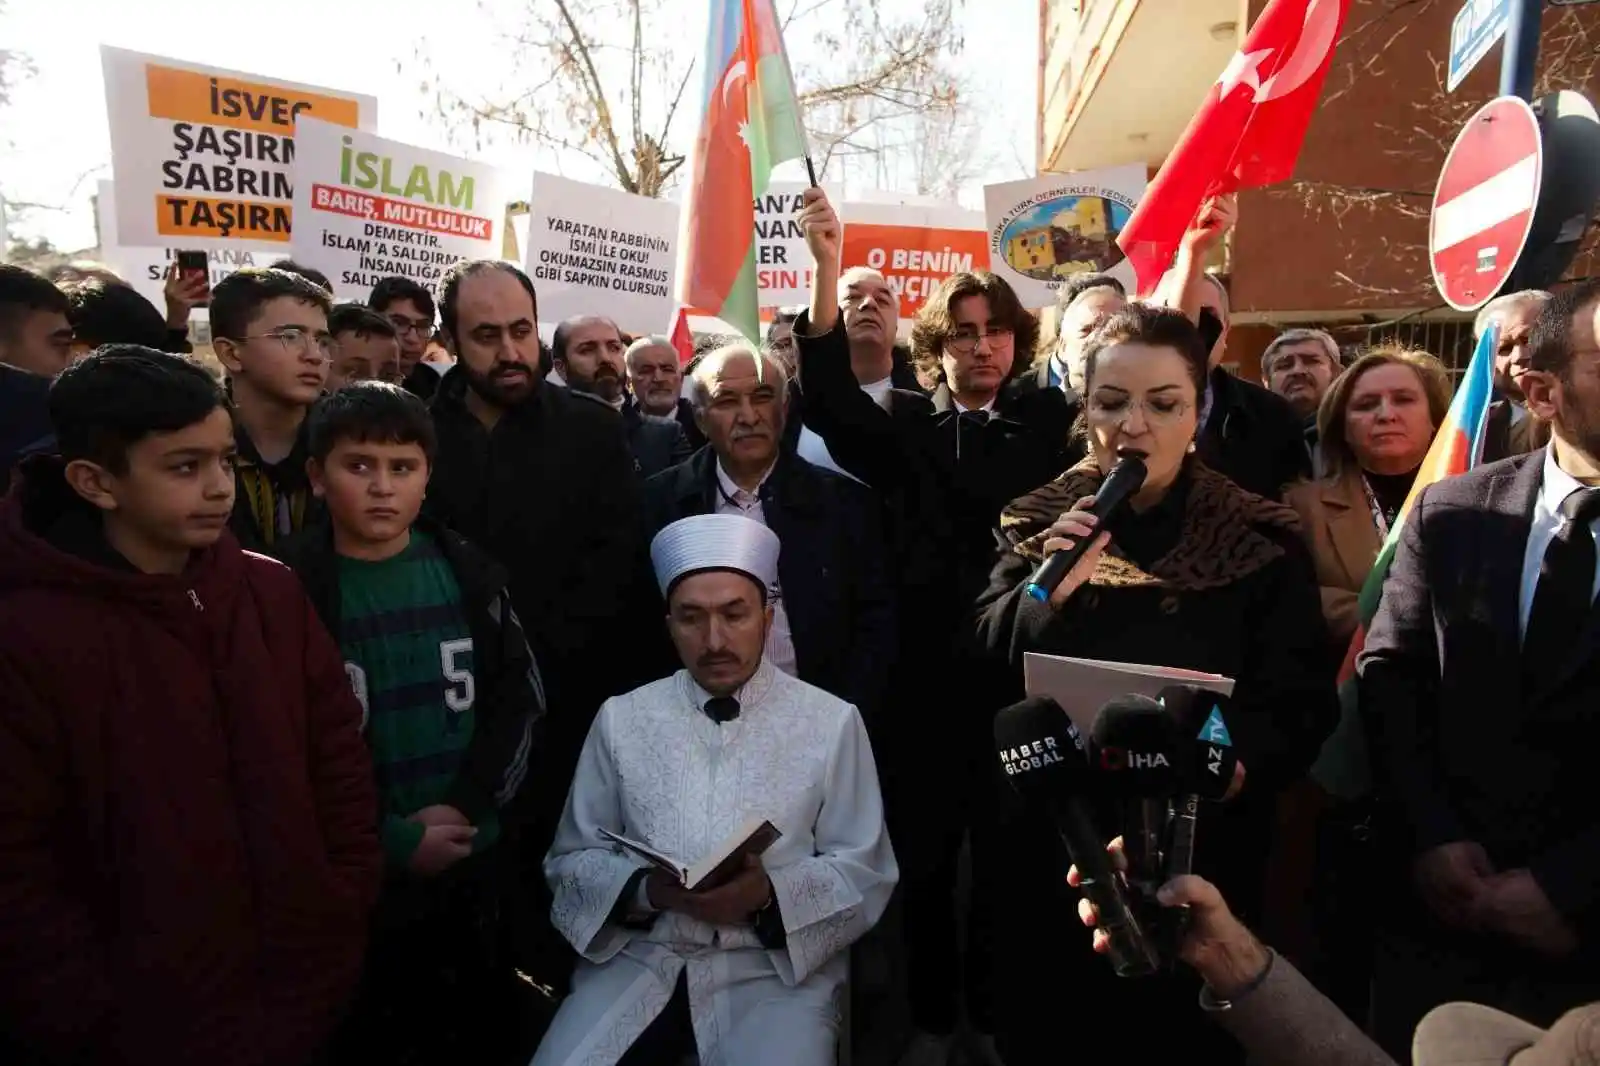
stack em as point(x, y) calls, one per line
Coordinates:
point(1041, 751)
point(1206, 768)
point(1135, 747)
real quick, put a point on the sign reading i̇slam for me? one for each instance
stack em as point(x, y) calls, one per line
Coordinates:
point(368, 208)
point(204, 158)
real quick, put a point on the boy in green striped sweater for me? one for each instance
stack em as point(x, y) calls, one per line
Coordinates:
point(451, 697)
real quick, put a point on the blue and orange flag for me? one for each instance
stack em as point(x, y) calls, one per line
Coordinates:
point(1457, 447)
point(750, 125)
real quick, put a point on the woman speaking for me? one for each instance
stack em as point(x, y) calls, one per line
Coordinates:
point(1198, 574)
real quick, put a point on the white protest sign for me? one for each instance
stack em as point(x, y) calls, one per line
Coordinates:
point(783, 263)
point(597, 251)
point(204, 158)
point(1043, 230)
point(146, 268)
point(369, 208)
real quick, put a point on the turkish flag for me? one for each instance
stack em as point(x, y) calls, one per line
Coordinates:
point(1247, 132)
point(682, 339)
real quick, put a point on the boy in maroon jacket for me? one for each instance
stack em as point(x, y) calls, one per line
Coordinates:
point(187, 842)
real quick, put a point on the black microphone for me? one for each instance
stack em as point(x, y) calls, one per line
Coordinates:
point(1134, 747)
point(1123, 481)
point(1206, 769)
point(1043, 758)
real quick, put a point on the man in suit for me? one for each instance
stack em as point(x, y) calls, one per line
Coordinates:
point(833, 625)
point(1509, 430)
point(587, 351)
point(1479, 681)
point(655, 386)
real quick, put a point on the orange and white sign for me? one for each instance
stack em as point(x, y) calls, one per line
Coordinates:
point(204, 158)
point(914, 247)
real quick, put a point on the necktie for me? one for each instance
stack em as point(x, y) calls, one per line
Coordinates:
point(1563, 598)
point(721, 709)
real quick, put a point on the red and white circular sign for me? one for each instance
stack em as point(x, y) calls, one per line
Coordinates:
point(1483, 207)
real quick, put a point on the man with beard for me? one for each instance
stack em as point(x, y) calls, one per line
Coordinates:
point(543, 481)
point(587, 351)
point(655, 382)
point(1509, 430)
point(1299, 365)
point(1481, 671)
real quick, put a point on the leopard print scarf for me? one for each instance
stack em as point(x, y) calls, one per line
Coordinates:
point(1222, 538)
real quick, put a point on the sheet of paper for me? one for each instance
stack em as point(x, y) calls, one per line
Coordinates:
point(1083, 686)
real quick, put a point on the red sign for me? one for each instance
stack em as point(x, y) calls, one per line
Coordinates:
point(1483, 207)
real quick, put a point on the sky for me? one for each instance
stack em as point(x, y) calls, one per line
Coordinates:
point(54, 143)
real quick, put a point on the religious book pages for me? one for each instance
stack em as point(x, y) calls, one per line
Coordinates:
point(1083, 686)
point(719, 866)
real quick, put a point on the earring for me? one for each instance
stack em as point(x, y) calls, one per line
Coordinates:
point(1190, 449)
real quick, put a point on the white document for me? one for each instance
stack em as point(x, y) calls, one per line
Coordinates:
point(1083, 686)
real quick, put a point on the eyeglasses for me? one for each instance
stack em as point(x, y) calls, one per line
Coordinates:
point(1158, 410)
point(296, 341)
point(404, 325)
point(965, 340)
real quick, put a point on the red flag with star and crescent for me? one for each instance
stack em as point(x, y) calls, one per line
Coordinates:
point(1248, 131)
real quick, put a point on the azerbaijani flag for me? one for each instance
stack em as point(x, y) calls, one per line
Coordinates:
point(751, 124)
point(1457, 447)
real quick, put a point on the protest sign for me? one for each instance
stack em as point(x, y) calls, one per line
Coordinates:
point(783, 263)
point(146, 268)
point(368, 208)
point(204, 158)
point(597, 251)
point(914, 247)
point(1043, 230)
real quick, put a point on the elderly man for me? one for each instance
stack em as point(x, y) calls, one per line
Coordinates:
point(1509, 430)
point(586, 351)
point(744, 973)
point(655, 383)
point(1300, 365)
point(1082, 303)
point(833, 626)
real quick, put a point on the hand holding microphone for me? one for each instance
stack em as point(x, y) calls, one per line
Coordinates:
point(1078, 537)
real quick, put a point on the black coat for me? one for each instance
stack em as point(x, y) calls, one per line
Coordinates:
point(422, 382)
point(832, 567)
point(657, 443)
point(1468, 748)
point(1253, 436)
point(552, 495)
point(1222, 584)
point(24, 419)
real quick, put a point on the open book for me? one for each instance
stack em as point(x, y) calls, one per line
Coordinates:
point(722, 865)
point(1083, 686)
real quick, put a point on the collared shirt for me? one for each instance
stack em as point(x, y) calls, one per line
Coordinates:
point(963, 409)
point(731, 499)
point(814, 450)
point(1556, 485)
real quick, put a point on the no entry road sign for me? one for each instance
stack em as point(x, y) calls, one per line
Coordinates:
point(1483, 206)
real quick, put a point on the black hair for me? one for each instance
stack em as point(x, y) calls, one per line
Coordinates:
point(393, 290)
point(1078, 284)
point(372, 411)
point(1155, 327)
point(22, 292)
point(103, 313)
point(1550, 347)
point(237, 299)
point(563, 334)
point(311, 274)
point(450, 289)
point(118, 395)
point(361, 320)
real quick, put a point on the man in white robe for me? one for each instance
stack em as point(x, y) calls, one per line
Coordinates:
point(755, 967)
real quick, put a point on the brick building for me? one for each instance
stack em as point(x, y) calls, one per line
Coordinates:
point(1344, 247)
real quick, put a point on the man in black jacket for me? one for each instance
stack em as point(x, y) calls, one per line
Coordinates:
point(35, 345)
point(655, 385)
point(587, 351)
point(542, 481)
point(1479, 681)
point(835, 623)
